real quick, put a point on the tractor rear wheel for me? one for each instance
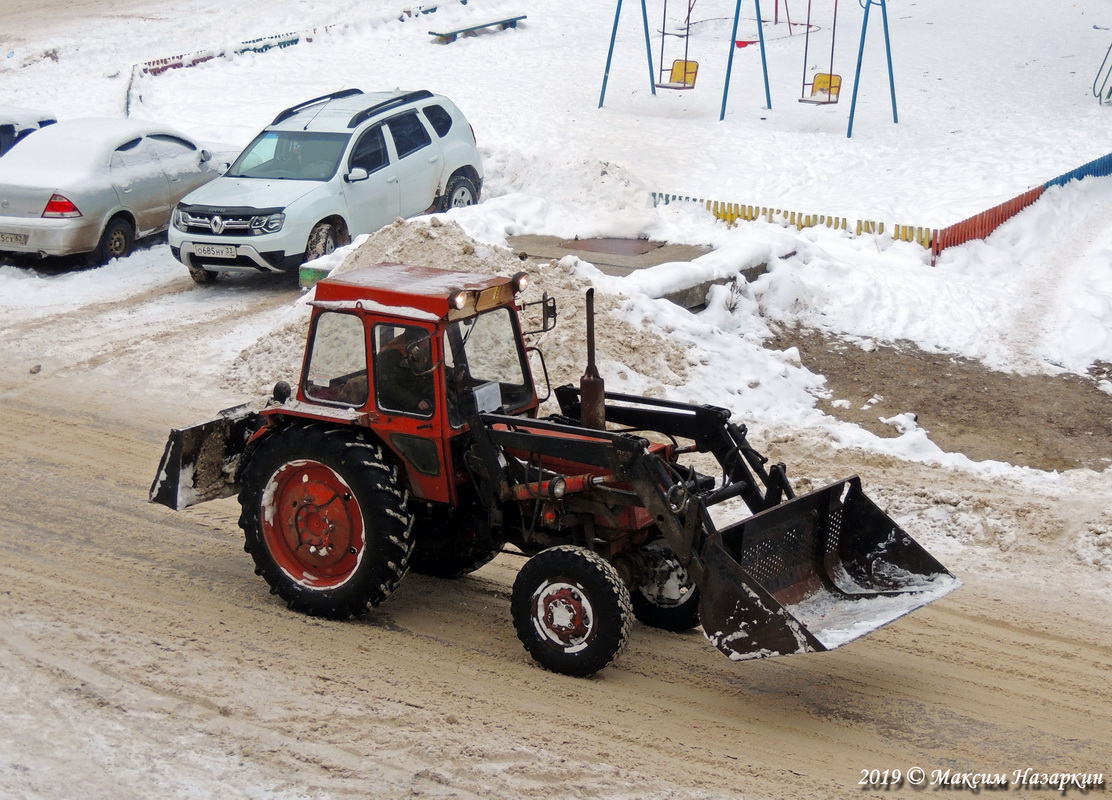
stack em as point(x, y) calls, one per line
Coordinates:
point(670, 601)
point(571, 610)
point(325, 520)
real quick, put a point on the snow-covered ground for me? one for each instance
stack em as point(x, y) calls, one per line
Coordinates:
point(991, 102)
point(993, 99)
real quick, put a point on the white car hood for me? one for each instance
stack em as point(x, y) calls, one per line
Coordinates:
point(250, 193)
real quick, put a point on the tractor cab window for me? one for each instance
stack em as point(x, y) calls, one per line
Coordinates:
point(403, 369)
point(484, 366)
point(337, 368)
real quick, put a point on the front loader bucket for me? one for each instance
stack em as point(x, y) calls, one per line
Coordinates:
point(200, 461)
point(812, 574)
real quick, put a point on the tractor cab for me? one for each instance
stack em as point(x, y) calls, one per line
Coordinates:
point(419, 352)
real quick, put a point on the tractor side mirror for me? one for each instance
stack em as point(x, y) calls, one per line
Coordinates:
point(548, 313)
point(534, 353)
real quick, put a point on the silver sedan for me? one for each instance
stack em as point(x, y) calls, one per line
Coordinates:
point(16, 123)
point(94, 186)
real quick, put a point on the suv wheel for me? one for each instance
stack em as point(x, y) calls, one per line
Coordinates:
point(323, 239)
point(461, 192)
point(201, 276)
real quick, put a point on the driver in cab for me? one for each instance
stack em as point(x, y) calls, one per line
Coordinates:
point(403, 373)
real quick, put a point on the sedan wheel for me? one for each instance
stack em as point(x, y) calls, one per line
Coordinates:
point(117, 241)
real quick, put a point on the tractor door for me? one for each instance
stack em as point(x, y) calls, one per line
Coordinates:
point(407, 377)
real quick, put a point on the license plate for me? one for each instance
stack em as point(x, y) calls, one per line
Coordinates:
point(215, 250)
point(13, 238)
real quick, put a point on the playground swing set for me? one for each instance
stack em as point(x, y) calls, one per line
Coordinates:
point(822, 88)
point(825, 87)
point(683, 71)
point(1102, 91)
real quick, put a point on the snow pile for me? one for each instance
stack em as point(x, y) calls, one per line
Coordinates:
point(1093, 544)
point(636, 357)
point(1034, 297)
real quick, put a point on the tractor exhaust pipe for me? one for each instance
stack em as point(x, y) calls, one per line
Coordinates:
point(591, 386)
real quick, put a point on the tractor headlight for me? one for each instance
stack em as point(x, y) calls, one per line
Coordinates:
point(457, 299)
point(557, 488)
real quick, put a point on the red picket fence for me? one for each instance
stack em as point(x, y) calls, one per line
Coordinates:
point(981, 225)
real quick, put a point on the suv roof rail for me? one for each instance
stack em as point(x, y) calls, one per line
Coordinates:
point(289, 112)
point(401, 99)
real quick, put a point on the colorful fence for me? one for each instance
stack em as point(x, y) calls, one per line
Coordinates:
point(185, 60)
point(981, 225)
point(260, 45)
point(933, 239)
point(732, 212)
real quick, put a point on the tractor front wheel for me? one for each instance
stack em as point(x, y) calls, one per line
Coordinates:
point(325, 520)
point(571, 610)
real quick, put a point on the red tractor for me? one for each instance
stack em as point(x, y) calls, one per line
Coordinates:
point(413, 442)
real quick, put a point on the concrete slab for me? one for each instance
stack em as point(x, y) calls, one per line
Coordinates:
point(617, 257)
point(620, 257)
point(618, 247)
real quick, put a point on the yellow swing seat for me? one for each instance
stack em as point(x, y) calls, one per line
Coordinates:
point(682, 76)
point(825, 89)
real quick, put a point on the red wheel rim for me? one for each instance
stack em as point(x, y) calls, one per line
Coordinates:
point(312, 524)
point(563, 615)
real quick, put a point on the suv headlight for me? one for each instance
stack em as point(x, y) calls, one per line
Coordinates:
point(271, 223)
point(176, 219)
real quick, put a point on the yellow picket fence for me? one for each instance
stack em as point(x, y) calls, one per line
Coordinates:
point(731, 213)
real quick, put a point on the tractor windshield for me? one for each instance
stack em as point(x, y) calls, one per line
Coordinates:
point(485, 366)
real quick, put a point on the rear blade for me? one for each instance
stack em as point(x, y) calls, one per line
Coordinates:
point(200, 462)
point(812, 574)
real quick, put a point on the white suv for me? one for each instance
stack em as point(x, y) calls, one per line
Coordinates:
point(323, 172)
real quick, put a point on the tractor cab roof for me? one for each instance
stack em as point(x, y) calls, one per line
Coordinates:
point(417, 292)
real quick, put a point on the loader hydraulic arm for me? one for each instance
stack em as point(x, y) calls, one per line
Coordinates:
point(710, 431)
point(494, 434)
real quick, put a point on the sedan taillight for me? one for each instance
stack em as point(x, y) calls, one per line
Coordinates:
point(60, 206)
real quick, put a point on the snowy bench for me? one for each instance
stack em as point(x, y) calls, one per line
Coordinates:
point(446, 37)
